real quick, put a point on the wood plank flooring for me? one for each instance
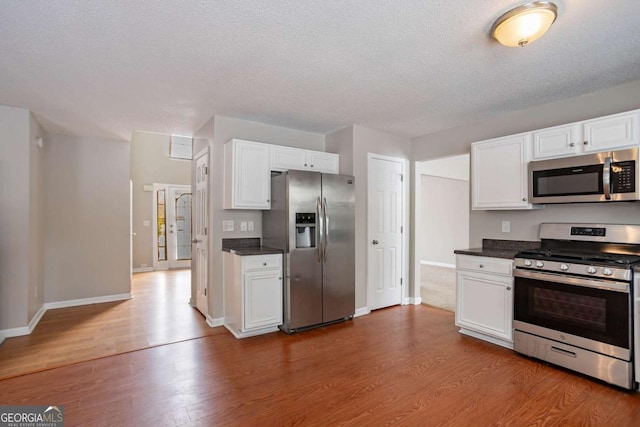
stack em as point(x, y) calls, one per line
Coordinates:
point(405, 365)
point(158, 313)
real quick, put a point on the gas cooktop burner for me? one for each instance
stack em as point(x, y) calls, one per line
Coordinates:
point(580, 257)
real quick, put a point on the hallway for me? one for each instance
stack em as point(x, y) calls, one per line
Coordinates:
point(159, 313)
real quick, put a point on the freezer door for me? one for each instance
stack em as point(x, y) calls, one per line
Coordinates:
point(304, 305)
point(338, 275)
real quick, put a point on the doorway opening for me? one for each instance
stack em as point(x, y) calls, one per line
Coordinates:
point(171, 226)
point(442, 225)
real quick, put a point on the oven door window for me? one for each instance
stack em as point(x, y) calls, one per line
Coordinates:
point(574, 181)
point(598, 314)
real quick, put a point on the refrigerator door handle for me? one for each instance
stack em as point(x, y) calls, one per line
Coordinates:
point(326, 228)
point(319, 227)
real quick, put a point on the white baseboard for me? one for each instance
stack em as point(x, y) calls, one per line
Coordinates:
point(413, 301)
point(36, 318)
point(214, 323)
point(87, 301)
point(362, 311)
point(142, 270)
point(24, 330)
point(438, 264)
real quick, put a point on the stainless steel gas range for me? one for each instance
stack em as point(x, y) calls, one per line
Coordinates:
point(573, 299)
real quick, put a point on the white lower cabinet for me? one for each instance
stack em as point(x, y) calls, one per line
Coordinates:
point(484, 298)
point(252, 294)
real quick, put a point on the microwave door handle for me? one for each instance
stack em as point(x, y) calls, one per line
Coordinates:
point(606, 178)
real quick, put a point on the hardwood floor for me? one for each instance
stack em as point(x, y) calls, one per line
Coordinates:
point(158, 313)
point(405, 365)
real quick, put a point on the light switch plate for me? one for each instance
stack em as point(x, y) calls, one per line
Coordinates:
point(227, 225)
point(146, 223)
point(250, 225)
point(506, 226)
point(243, 226)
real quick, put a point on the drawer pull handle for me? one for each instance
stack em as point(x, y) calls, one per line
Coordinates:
point(563, 351)
point(264, 264)
point(508, 288)
point(481, 265)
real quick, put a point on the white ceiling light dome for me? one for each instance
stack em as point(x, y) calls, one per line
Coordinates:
point(524, 24)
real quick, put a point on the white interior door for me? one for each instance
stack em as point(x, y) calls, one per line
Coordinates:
point(200, 273)
point(179, 227)
point(385, 219)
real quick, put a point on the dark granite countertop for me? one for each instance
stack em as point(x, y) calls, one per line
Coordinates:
point(247, 246)
point(494, 248)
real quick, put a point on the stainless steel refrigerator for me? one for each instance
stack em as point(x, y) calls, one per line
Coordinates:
point(312, 219)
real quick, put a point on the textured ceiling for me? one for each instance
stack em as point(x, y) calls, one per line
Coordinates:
point(412, 67)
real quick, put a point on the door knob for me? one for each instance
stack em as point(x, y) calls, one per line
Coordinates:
point(375, 242)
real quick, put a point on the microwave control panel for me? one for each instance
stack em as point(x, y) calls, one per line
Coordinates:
point(623, 177)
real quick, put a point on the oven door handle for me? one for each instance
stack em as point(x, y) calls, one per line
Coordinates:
point(573, 281)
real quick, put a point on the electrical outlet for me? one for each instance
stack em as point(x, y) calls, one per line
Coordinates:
point(243, 226)
point(251, 226)
point(506, 226)
point(146, 223)
point(227, 225)
point(143, 265)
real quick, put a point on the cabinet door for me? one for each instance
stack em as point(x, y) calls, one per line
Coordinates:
point(557, 141)
point(322, 162)
point(499, 173)
point(286, 158)
point(262, 299)
point(484, 303)
point(611, 132)
point(251, 176)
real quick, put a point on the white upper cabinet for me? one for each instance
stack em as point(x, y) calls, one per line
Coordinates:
point(591, 136)
point(611, 132)
point(499, 173)
point(323, 162)
point(248, 166)
point(247, 175)
point(557, 141)
point(286, 158)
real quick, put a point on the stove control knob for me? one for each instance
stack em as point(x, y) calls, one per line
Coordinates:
point(564, 267)
point(527, 263)
point(539, 264)
point(607, 271)
point(592, 270)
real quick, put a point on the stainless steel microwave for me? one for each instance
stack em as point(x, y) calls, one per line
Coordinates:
point(610, 176)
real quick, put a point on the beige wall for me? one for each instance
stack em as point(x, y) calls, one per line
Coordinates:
point(14, 221)
point(353, 144)
point(36, 218)
point(87, 218)
point(340, 142)
point(457, 141)
point(217, 131)
point(150, 163)
point(444, 221)
point(22, 219)
point(524, 224)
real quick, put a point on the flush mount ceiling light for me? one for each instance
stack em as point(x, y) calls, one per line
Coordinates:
point(524, 24)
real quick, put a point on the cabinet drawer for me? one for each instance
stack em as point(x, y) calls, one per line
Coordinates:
point(261, 262)
point(484, 264)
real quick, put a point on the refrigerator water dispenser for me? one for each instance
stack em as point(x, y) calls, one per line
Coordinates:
point(305, 230)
